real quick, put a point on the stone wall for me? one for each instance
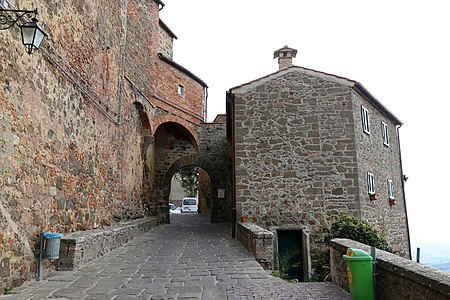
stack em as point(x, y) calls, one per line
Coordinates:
point(388, 217)
point(258, 241)
point(300, 156)
point(215, 150)
point(397, 277)
point(79, 248)
point(295, 158)
point(77, 120)
point(165, 40)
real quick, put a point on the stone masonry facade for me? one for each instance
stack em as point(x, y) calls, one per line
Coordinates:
point(300, 156)
point(91, 124)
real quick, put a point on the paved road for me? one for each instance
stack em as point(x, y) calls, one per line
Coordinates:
point(187, 259)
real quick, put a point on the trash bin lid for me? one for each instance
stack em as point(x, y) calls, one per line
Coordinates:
point(356, 254)
point(52, 235)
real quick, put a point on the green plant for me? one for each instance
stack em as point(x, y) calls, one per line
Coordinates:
point(287, 262)
point(349, 227)
point(323, 269)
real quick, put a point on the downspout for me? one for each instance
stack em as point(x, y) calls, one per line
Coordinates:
point(233, 140)
point(161, 4)
point(403, 188)
point(205, 109)
point(230, 99)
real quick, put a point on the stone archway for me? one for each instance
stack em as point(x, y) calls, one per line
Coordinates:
point(175, 148)
point(197, 161)
point(173, 141)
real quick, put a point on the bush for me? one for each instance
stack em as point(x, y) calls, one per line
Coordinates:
point(347, 227)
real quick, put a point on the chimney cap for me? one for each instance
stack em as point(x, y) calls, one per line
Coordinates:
point(285, 49)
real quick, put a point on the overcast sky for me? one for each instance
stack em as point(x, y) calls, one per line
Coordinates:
point(399, 50)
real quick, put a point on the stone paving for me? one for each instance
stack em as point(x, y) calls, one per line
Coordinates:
point(187, 259)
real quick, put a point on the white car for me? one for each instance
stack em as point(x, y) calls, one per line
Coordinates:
point(173, 209)
point(189, 204)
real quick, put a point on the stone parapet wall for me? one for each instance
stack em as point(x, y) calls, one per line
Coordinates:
point(397, 277)
point(258, 241)
point(81, 247)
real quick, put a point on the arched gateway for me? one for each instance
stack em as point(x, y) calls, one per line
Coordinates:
point(175, 149)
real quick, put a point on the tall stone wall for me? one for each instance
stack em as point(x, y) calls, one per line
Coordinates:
point(77, 120)
point(389, 217)
point(301, 156)
point(295, 158)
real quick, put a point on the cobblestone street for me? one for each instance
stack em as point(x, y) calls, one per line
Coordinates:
point(187, 259)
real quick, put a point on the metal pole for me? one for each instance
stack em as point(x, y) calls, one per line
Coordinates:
point(418, 255)
point(374, 271)
point(41, 249)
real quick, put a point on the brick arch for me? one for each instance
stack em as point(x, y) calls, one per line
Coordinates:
point(188, 160)
point(171, 118)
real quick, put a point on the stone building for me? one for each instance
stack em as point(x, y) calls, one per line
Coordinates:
point(307, 145)
point(94, 125)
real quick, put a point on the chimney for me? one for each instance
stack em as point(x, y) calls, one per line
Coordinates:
point(285, 56)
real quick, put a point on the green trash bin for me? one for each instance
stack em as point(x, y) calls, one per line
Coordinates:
point(359, 274)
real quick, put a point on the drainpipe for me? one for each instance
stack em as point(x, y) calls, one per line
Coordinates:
point(205, 109)
point(230, 99)
point(161, 4)
point(403, 188)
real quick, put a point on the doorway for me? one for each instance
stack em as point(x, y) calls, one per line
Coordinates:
point(292, 256)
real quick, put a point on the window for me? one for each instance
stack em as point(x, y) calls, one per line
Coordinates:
point(180, 90)
point(5, 4)
point(365, 120)
point(370, 183)
point(390, 187)
point(385, 133)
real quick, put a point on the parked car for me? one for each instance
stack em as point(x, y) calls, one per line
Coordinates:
point(173, 209)
point(189, 204)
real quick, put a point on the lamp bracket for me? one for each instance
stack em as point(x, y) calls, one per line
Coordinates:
point(9, 17)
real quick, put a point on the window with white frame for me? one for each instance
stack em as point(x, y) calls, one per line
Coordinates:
point(365, 120)
point(370, 183)
point(390, 188)
point(180, 89)
point(385, 133)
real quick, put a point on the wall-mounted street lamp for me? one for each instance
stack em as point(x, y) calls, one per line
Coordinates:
point(32, 33)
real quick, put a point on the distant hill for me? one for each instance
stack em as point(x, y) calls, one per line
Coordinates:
point(441, 266)
point(433, 255)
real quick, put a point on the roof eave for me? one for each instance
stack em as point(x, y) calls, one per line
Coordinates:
point(345, 80)
point(181, 69)
point(167, 29)
point(361, 90)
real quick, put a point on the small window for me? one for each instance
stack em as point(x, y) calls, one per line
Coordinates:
point(385, 132)
point(370, 183)
point(180, 89)
point(5, 4)
point(365, 120)
point(390, 187)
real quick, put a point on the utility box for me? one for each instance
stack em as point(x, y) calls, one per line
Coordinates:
point(359, 274)
point(52, 243)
